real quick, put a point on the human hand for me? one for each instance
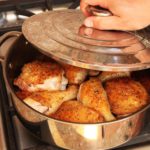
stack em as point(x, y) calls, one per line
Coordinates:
point(127, 14)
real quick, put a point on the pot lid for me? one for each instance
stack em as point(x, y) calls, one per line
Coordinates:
point(61, 35)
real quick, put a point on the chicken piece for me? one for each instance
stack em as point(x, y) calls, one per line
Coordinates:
point(93, 73)
point(126, 96)
point(75, 75)
point(105, 76)
point(23, 94)
point(93, 95)
point(144, 78)
point(38, 76)
point(52, 99)
point(74, 111)
point(36, 105)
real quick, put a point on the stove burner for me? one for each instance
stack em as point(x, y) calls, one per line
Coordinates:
point(14, 12)
point(2, 20)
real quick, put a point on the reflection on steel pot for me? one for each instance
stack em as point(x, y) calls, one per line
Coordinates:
point(59, 133)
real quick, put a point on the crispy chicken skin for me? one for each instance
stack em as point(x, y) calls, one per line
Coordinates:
point(52, 99)
point(106, 75)
point(38, 76)
point(75, 75)
point(93, 95)
point(74, 111)
point(23, 94)
point(126, 96)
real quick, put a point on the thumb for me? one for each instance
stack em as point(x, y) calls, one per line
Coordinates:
point(105, 23)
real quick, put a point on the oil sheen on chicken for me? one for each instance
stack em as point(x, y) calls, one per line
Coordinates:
point(39, 76)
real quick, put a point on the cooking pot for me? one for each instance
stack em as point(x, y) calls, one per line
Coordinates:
point(63, 134)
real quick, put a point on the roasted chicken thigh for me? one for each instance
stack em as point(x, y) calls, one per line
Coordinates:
point(92, 94)
point(39, 76)
point(126, 96)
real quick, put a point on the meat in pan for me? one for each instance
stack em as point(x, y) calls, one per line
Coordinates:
point(126, 96)
point(51, 99)
point(92, 94)
point(43, 85)
point(23, 94)
point(39, 76)
point(106, 75)
point(75, 75)
point(74, 111)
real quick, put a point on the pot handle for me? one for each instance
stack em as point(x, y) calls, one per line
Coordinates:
point(5, 37)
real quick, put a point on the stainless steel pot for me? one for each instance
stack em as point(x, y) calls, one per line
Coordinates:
point(59, 133)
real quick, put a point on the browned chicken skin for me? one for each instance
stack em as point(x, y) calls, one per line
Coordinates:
point(126, 96)
point(93, 95)
point(38, 76)
point(106, 75)
point(74, 111)
point(23, 94)
point(52, 99)
point(75, 75)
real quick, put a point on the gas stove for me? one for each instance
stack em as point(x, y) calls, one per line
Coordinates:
point(13, 135)
point(14, 12)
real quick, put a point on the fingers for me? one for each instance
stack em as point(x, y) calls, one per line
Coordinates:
point(83, 7)
point(105, 23)
point(85, 3)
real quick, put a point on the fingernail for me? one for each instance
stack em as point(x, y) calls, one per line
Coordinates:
point(88, 31)
point(88, 23)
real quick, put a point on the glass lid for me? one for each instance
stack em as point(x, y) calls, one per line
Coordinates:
point(61, 35)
